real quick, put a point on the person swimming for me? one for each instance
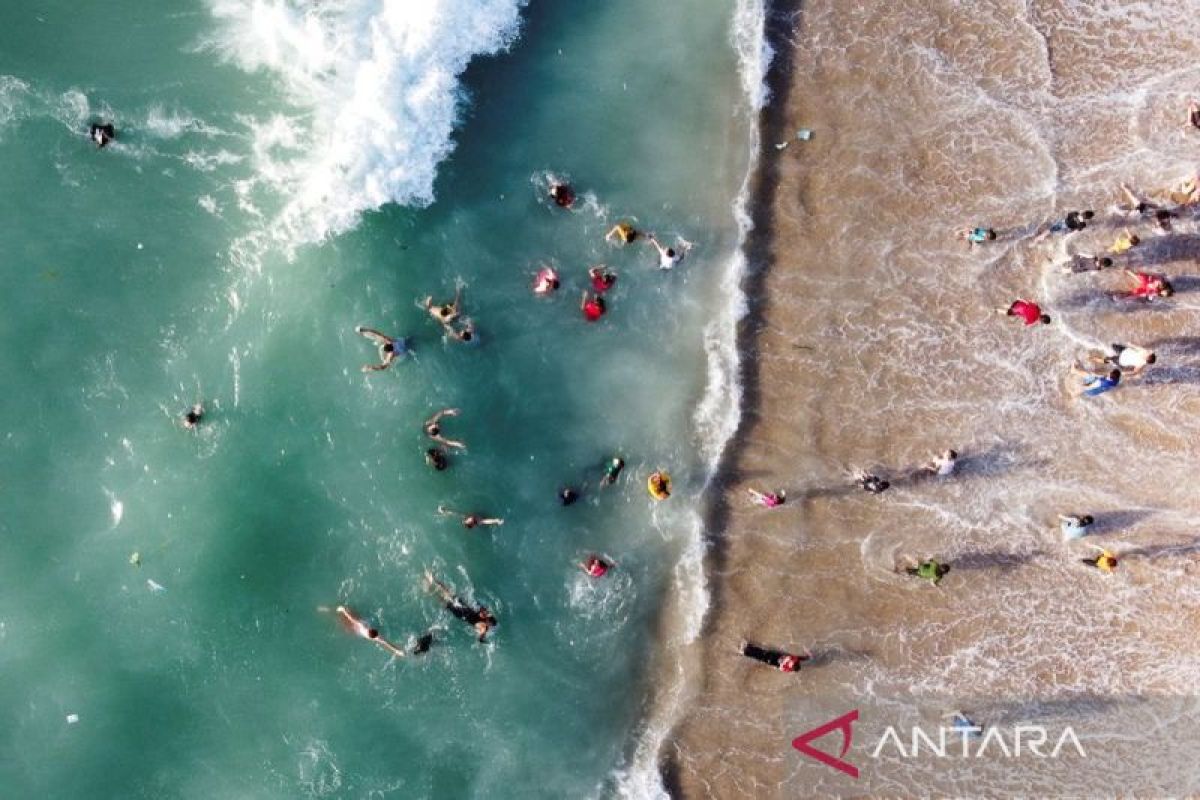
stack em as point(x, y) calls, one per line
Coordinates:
point(356, 626)
point(602, 279)
point(389, 349)
point(562, 194)
point(433, 428)
point(568, 495)
point(784, 662)
point(481, 619)
point(612, 470)
point(593, 308)
point(445, 313)
point(193, 416)
point(595, 566)
point(436, 458)
point(464, 334)
point(102, 133)
point(470, 521)
point(668, 257)
point(546, 281)
point(623, 232)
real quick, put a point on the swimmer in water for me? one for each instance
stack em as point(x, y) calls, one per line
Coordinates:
point(445, 313)
point(668, 257)
point(469, 521)
point(784, 662)
point(944, 463)
point(870, 483)
point(623, 232)
point(546, 281)
point(436, 458)
point(768, 499)
point(562, 194)
point(389, 349)
point(102, 133)
point(567, 495)
point(481, 619)
point(595, 566)
point(593, 308)
point(602, 278)
point(465, 334)
point(612, 470)
point(360, 628)
point(433, 428)
point(194, 416)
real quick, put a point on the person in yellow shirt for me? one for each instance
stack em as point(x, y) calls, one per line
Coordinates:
point(1124, 243)
point(1104, 560)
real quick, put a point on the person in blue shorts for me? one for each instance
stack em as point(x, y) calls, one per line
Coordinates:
point(1096, 385)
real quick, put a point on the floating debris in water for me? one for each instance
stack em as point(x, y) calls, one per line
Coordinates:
point(155, 587)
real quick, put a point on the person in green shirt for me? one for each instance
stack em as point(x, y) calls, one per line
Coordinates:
point(930, 570)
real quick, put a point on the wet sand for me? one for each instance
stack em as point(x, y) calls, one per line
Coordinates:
point(871, 342)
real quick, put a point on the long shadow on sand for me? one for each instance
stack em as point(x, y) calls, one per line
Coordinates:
point(1109, 522)
point(1155, 551)
point(996, 559)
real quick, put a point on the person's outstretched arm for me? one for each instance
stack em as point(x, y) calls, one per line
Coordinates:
point(372, 334)
point(391, 648)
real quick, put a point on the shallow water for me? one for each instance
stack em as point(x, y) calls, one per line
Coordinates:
point(174, 267)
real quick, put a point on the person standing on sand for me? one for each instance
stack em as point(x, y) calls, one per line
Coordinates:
point(944, 463)
point(869, 482)
point(974, 236)
point(1148, 286)
point(1073, 527)
point(929, 570)
point(470, 521)
point(1129, 358)
point(1124, 243)
point(1096, 385)
point(1075, 221)
point(1081, 262)
point(768, 499)
point(1105, 560)
point(784, 662)
point(1027, 310)
point(389, 349)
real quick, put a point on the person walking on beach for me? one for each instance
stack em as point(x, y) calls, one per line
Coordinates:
point(1148, 286)
point(870, 483)
point(612, 470)
point(768, 499)
point(944, 463)
point(1096, 385)
point(974, 236)
point(623, 232)
point(1081, 262)
point(445, 313)
point(1129, 358)
point(593, 308)
point(668, 257)
point(356, 626)
point(470, 521)
point(194, 416)
point(433, 428)
point(389, 349)
point(1027, 310)
point(481, 619)
point(784, 662)
point(1105, 560)
point(1074, 221)
point(1073, 526)
point(1134, 204)
point(595, 566)
point(545, 282)
point(602, 279)
point(929, 570)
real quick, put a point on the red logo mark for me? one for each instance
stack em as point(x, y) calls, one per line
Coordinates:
point(843, 723)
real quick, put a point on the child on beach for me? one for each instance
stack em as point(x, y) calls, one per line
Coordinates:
point(1129, 358)
point(1124, 243)
point(944, 463)
point(929, 570)
point(1073, 526)
point(1148, 286)
point(768, 499)
point(1081, 262)
point(1105, 560)
point(870, 483)
point(784, 662)
point(1096, 385)
point(974, 236)
point(1027, 310)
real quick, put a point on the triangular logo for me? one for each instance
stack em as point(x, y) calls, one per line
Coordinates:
point(843, 723)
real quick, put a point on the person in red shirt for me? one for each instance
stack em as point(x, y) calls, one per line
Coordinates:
point(595, 566)
point(592, 307)
point(784, 662)
point(1027, 310)
point(602, 279)
point(1149, 286)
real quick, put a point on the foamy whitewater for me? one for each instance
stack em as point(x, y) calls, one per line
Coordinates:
point(283, 172)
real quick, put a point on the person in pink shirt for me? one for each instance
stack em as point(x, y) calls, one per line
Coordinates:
point(595, 566)
point(602, 278)
point(1148, 286)
point(1027, 310)
point(768, 499)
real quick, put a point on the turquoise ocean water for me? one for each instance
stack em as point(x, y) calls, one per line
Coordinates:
point(222, 250)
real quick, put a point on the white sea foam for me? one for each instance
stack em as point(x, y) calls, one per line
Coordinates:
point(375, 90)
